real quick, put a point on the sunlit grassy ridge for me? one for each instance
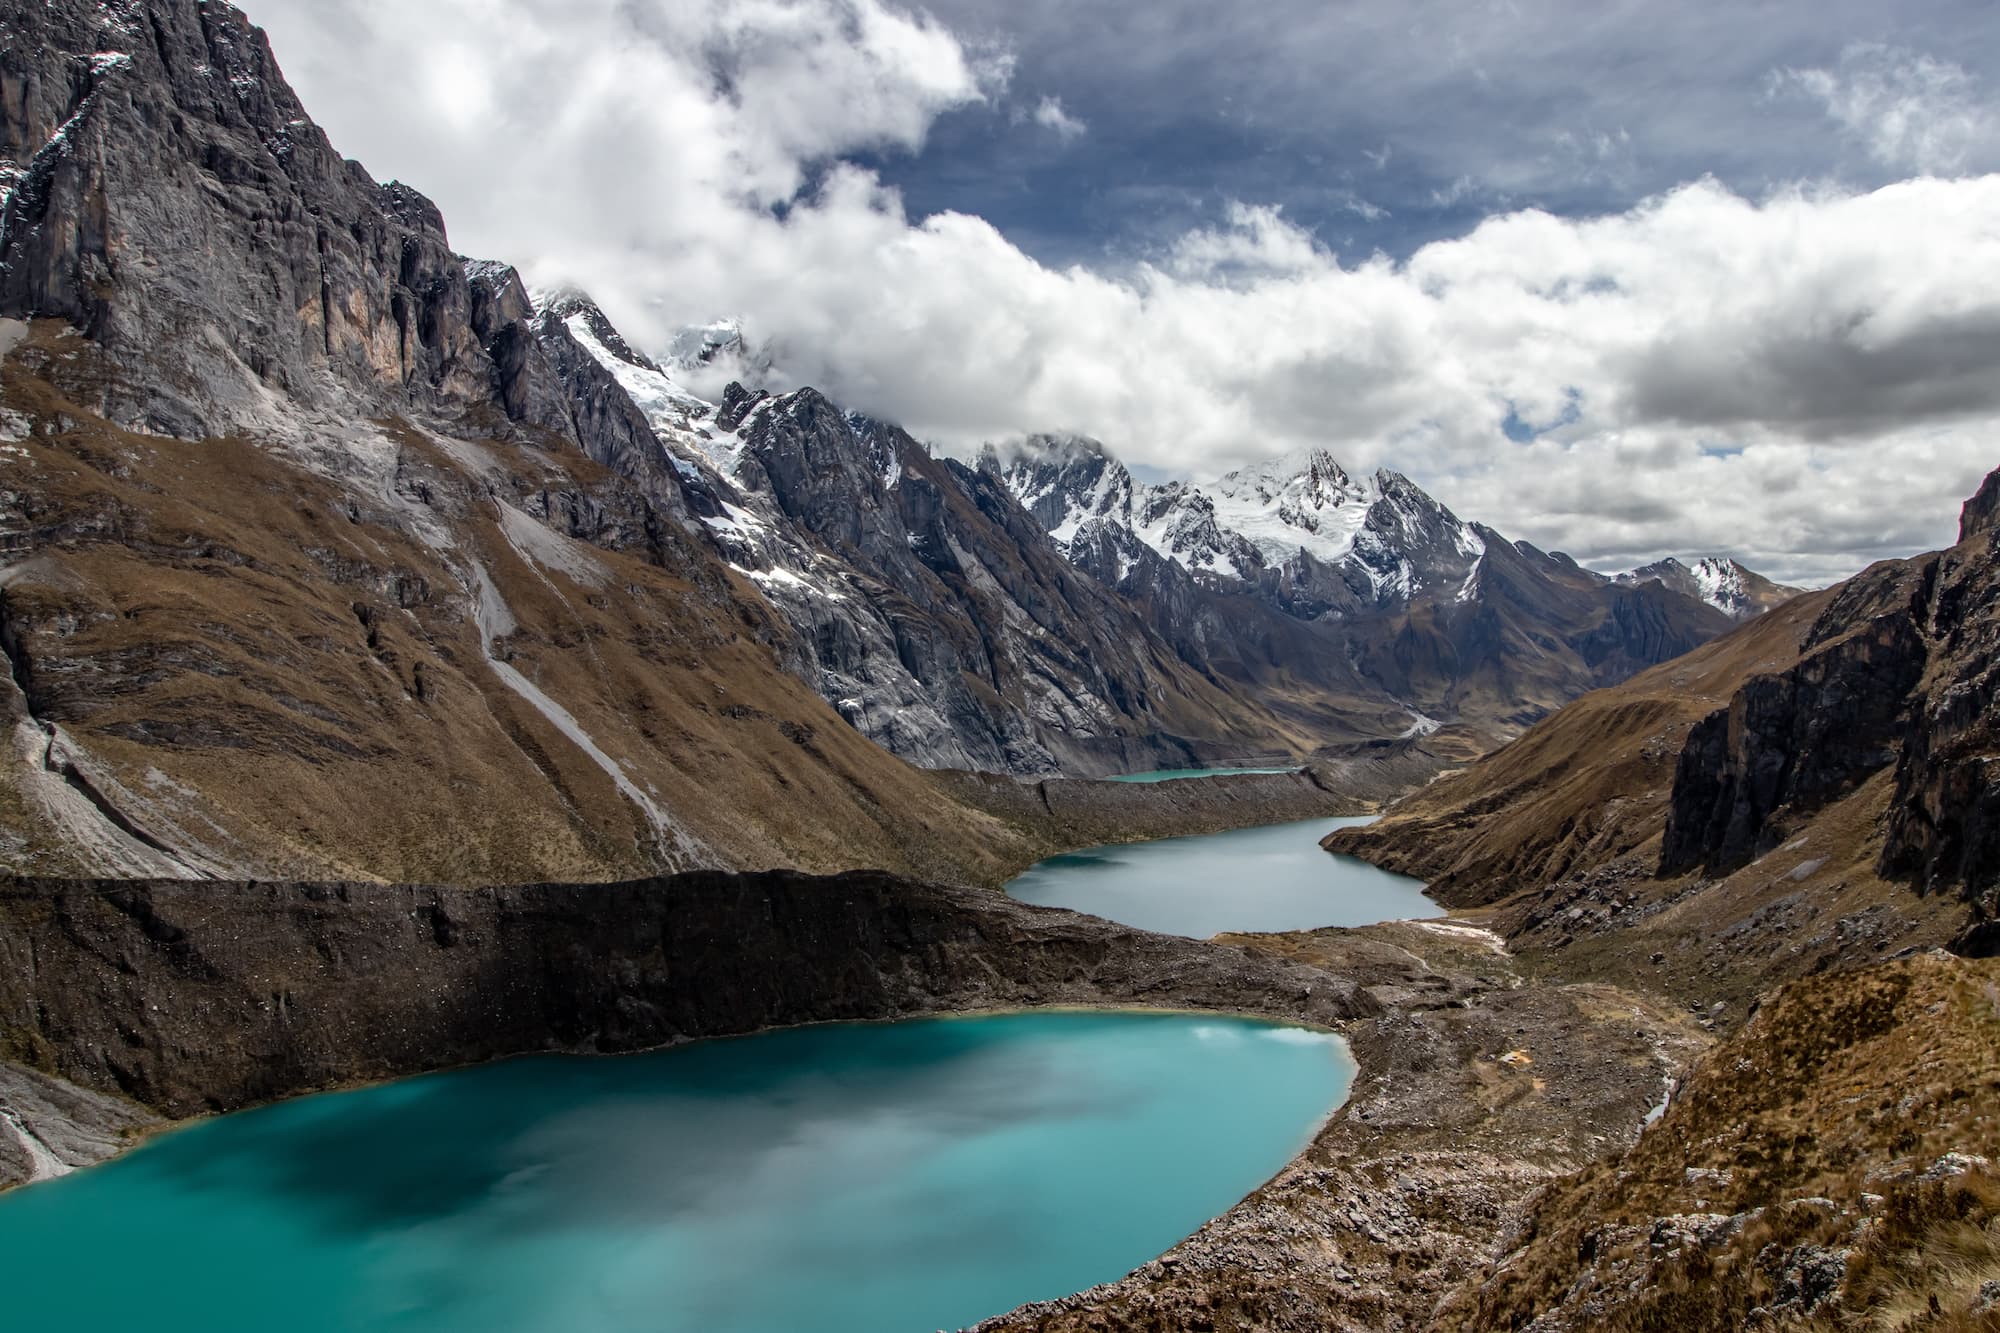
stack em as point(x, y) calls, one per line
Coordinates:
point(1827, 1167)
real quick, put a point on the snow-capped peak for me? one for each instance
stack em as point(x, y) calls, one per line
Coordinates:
point(1304, 500)
point(1380, 533)
point(1722, 582)
point(685, 423)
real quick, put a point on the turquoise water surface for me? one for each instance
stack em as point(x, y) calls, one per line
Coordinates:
point(892, 1178)
point(1176, 774)
point(1254, 879)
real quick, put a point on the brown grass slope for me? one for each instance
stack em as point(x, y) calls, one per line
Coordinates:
point(268, 670)
point(1584, 786)
point(1803, 1177)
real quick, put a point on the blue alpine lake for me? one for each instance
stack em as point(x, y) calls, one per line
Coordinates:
point(889, 1177)
point(1253, 879)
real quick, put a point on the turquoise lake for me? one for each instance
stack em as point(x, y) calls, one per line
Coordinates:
point(1254, 879)
point(1177, 774)
point(892, 1178)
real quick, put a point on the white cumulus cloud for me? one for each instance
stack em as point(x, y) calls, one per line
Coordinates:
point(1803, 380)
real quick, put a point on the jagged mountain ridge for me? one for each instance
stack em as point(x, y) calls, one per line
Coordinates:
point(929, 612)
point(1395, 595)
point(1319, 539)
point(1723, 582)
point(1309, 592)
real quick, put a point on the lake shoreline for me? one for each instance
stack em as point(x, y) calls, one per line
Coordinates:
point(190, 998)
point(384, 981)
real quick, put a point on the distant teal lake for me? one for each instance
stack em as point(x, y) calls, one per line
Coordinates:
point(1254, 879)
point(1176, 774)
point(892, 1178)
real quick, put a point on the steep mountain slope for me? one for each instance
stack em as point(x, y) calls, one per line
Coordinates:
point(1382, 599)
point(1729, 586)
point(467, 663)
point(326, 553)
point(930, 612)
point(1760, 808)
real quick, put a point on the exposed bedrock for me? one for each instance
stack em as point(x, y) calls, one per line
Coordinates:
point(1798, 738)
point(1944, 830)
point(1902, 668)
point(191, 997)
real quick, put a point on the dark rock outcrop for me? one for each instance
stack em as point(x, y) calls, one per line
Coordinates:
point(1944, 830)
point(193, 997)
point(1796, 739)
point(176, 203)
point(179, 206)
point(1903, 668)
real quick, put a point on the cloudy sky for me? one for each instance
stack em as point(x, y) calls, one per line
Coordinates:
point(1622, 279)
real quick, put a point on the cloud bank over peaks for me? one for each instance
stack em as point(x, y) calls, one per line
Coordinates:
point(1803, 380)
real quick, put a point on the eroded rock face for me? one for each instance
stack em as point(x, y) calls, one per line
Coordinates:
point(1796, 739)
point(1944, 830)
point(176, 192)
point(195, 997)
point(1901, 668)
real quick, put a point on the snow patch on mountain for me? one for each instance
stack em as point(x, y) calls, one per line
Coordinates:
point(1301, 501)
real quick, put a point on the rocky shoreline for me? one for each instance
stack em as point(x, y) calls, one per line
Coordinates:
point(1474, 1092)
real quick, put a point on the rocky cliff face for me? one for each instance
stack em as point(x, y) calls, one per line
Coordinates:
point(192, 998)
point(1944, 830)
point(1798, 738)
point(1900, 670)
point(175, 202)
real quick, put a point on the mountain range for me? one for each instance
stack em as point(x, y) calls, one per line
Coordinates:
point(298, 487)
point(1297, 580)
